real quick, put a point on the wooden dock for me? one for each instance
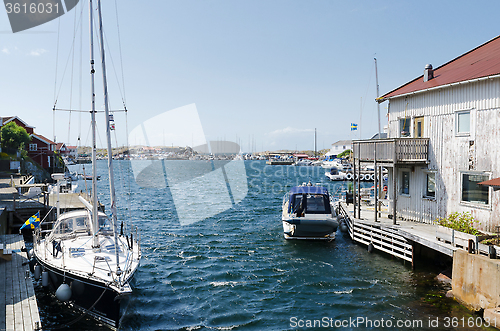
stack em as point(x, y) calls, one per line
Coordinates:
point(17, 293)
point(399, 239)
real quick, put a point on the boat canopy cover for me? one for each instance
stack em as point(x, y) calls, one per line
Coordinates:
point(309, 190)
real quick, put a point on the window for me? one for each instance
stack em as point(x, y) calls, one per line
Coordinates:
point(462, 120)
point(404, 127)
point(430, 185)
point(419, 127)
point(471, 191)
point(33, 147)
point(405, 182)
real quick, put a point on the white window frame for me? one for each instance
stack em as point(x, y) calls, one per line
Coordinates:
point(33, 147)
point(475, 204)
point(409, 119)
point(457, 114)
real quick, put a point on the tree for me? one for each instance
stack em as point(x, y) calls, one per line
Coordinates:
point(14, 136)
point(345, 154)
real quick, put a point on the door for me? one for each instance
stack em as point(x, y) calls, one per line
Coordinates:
point(419, 127)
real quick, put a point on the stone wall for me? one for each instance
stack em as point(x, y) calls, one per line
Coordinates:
point(476, 280)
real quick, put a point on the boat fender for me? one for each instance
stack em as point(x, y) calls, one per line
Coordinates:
point(349, 176)
point(361, 177)
point(370, 247)
point(63, 293)
point(372, 177)
point(38, 272)
point(45, 279)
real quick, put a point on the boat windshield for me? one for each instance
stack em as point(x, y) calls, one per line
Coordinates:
point(72, 224)
point(316, 204)
point(310, 204)
point(334, 171)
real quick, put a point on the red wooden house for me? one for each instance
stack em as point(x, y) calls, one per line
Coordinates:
point(18, 121)
point(41, 150)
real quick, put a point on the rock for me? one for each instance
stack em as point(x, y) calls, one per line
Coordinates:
point(443, 278)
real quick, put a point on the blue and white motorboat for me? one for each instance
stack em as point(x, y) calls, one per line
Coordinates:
point(308, 214)
point(335, 174)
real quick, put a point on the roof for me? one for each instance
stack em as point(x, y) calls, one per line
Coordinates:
point(342, 142)
point(495, 183)
point(42, 138)
point(482, 61)
point(308, 190)
point(382, 135)
point(8, 119)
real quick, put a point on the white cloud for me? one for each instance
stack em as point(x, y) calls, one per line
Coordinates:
point(37, 52)
point(289, 130)
point(5, 50)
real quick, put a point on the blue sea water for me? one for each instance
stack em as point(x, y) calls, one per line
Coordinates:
point(235, 271)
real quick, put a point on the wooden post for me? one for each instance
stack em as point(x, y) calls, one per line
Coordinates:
point(359, 181)
point(375, 184)
point(394, 183)
point(354, 199)
point(413, 256)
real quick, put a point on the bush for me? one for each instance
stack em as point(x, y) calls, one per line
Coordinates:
point(463, 222)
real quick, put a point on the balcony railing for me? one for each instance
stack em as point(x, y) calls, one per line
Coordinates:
point(395, 150)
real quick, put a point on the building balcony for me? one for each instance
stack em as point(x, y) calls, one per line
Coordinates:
point(393, 150)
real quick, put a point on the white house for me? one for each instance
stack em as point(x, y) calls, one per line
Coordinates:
point(447, 121)
point(338, 147)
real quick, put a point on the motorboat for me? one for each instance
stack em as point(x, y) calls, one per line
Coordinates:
point(303, 162)
point(335, 174)
point(308, 214)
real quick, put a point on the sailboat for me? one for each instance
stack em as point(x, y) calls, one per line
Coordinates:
point(85, 259)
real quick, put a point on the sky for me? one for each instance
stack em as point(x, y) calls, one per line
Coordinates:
point(264, 74)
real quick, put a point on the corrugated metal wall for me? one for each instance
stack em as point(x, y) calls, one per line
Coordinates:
point(450, 154)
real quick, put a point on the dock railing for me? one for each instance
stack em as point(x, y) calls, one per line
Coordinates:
point(394, 150)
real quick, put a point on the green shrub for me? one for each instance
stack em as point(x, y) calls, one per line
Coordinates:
point(463, 222)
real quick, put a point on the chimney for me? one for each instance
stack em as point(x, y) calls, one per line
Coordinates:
point(428, 72)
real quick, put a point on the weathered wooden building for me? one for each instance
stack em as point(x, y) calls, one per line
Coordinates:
point(444, 139)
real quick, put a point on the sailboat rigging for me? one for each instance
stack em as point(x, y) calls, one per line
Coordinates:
point(86, 261)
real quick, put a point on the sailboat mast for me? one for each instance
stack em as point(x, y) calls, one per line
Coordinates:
point(378, 104)
point(108, 139)
point(95, 240)
point(315, 144)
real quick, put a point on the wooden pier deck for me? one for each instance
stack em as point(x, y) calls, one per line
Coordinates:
point(17, 293)
point(398, 239)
